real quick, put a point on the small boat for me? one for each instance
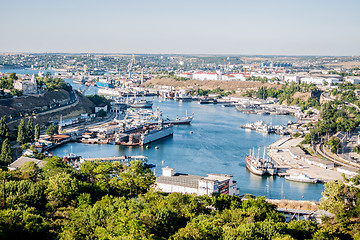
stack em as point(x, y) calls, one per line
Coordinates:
point(301, 178)
point(179, 120)
point(207, 101)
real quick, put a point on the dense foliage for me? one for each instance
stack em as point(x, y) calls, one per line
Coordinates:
point(50, 83)
point(286, 93)
point(8, 83)
point(206, 92)
point(99, 100)
point(114, 201)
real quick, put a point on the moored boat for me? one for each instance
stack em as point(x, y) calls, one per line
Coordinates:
point(301, 178)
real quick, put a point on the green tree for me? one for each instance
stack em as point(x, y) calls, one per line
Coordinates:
point(21, 138)
point(4, 130)
point(51, 130)
point(30, 170)
point(30, 130)
point(6, 153)
point(61, 189)
point(262, 93)
point(134, 180)
point(340, 199)
point(13, 76)
point(37, 132)
point(357, 149)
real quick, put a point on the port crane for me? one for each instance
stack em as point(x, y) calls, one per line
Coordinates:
point(129, 67)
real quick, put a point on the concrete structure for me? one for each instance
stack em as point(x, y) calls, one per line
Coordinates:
point(170, 182)
point(22, 160)
point(27, 86)
point(101, 107)
point(348, 171)
point(298, 153)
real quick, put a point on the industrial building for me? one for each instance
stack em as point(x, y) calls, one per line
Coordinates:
point(170, 182)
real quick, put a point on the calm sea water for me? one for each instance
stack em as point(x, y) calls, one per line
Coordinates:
point(217, 145)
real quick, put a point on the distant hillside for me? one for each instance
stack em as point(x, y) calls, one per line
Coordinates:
point(17, 107)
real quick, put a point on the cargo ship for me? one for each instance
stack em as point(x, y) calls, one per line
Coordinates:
point(260, 166)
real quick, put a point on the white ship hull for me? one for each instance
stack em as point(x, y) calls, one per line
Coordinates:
point(255, 170)
point(301, 178)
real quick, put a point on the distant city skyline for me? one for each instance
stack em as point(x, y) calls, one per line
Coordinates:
point(259, 27)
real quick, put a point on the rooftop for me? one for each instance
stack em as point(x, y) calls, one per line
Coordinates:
point(180, 179)
point(22, 160)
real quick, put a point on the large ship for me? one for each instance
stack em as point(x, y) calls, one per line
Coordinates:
point(301, 178)
point(149, 134)
point(260, 166)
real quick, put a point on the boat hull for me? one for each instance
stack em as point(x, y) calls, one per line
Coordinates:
point(157, 134)
point(253, 169)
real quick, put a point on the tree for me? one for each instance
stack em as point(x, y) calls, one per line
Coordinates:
point(51, 130)
point(21, 138)
point(30, 170)
point(357, 149)
point(30, 130)
point(37, 131)
point(6, 154)
point(262, 93)
point(13, 76)
point(4, 130)
point(340, 199)
point(134, 180)
point(102, 113)
point(61, 189)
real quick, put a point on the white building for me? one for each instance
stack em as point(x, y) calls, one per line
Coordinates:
point(206, 76)
point(313, 80)
point(353, 80)
point(170, 182)
point(185, 75)
point(292, 78)
point(228, 77)
point(27, 86)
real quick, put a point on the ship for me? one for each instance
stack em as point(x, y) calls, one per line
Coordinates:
point(182, 97)
point(301, 178)
point(148, 134)
point(140, 103)
point(180, 120)
point(260, 166)
point(105, 83)
point(207, 101)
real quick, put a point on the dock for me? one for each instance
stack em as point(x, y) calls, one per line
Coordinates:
point(122, 159)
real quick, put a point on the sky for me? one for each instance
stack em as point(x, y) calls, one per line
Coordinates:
point(253, 27)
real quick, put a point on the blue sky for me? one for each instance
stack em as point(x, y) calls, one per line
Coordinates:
point(281, 27)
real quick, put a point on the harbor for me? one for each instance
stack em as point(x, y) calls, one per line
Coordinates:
point(213, 142)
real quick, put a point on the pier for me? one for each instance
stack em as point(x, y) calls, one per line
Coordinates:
point(122, 159)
